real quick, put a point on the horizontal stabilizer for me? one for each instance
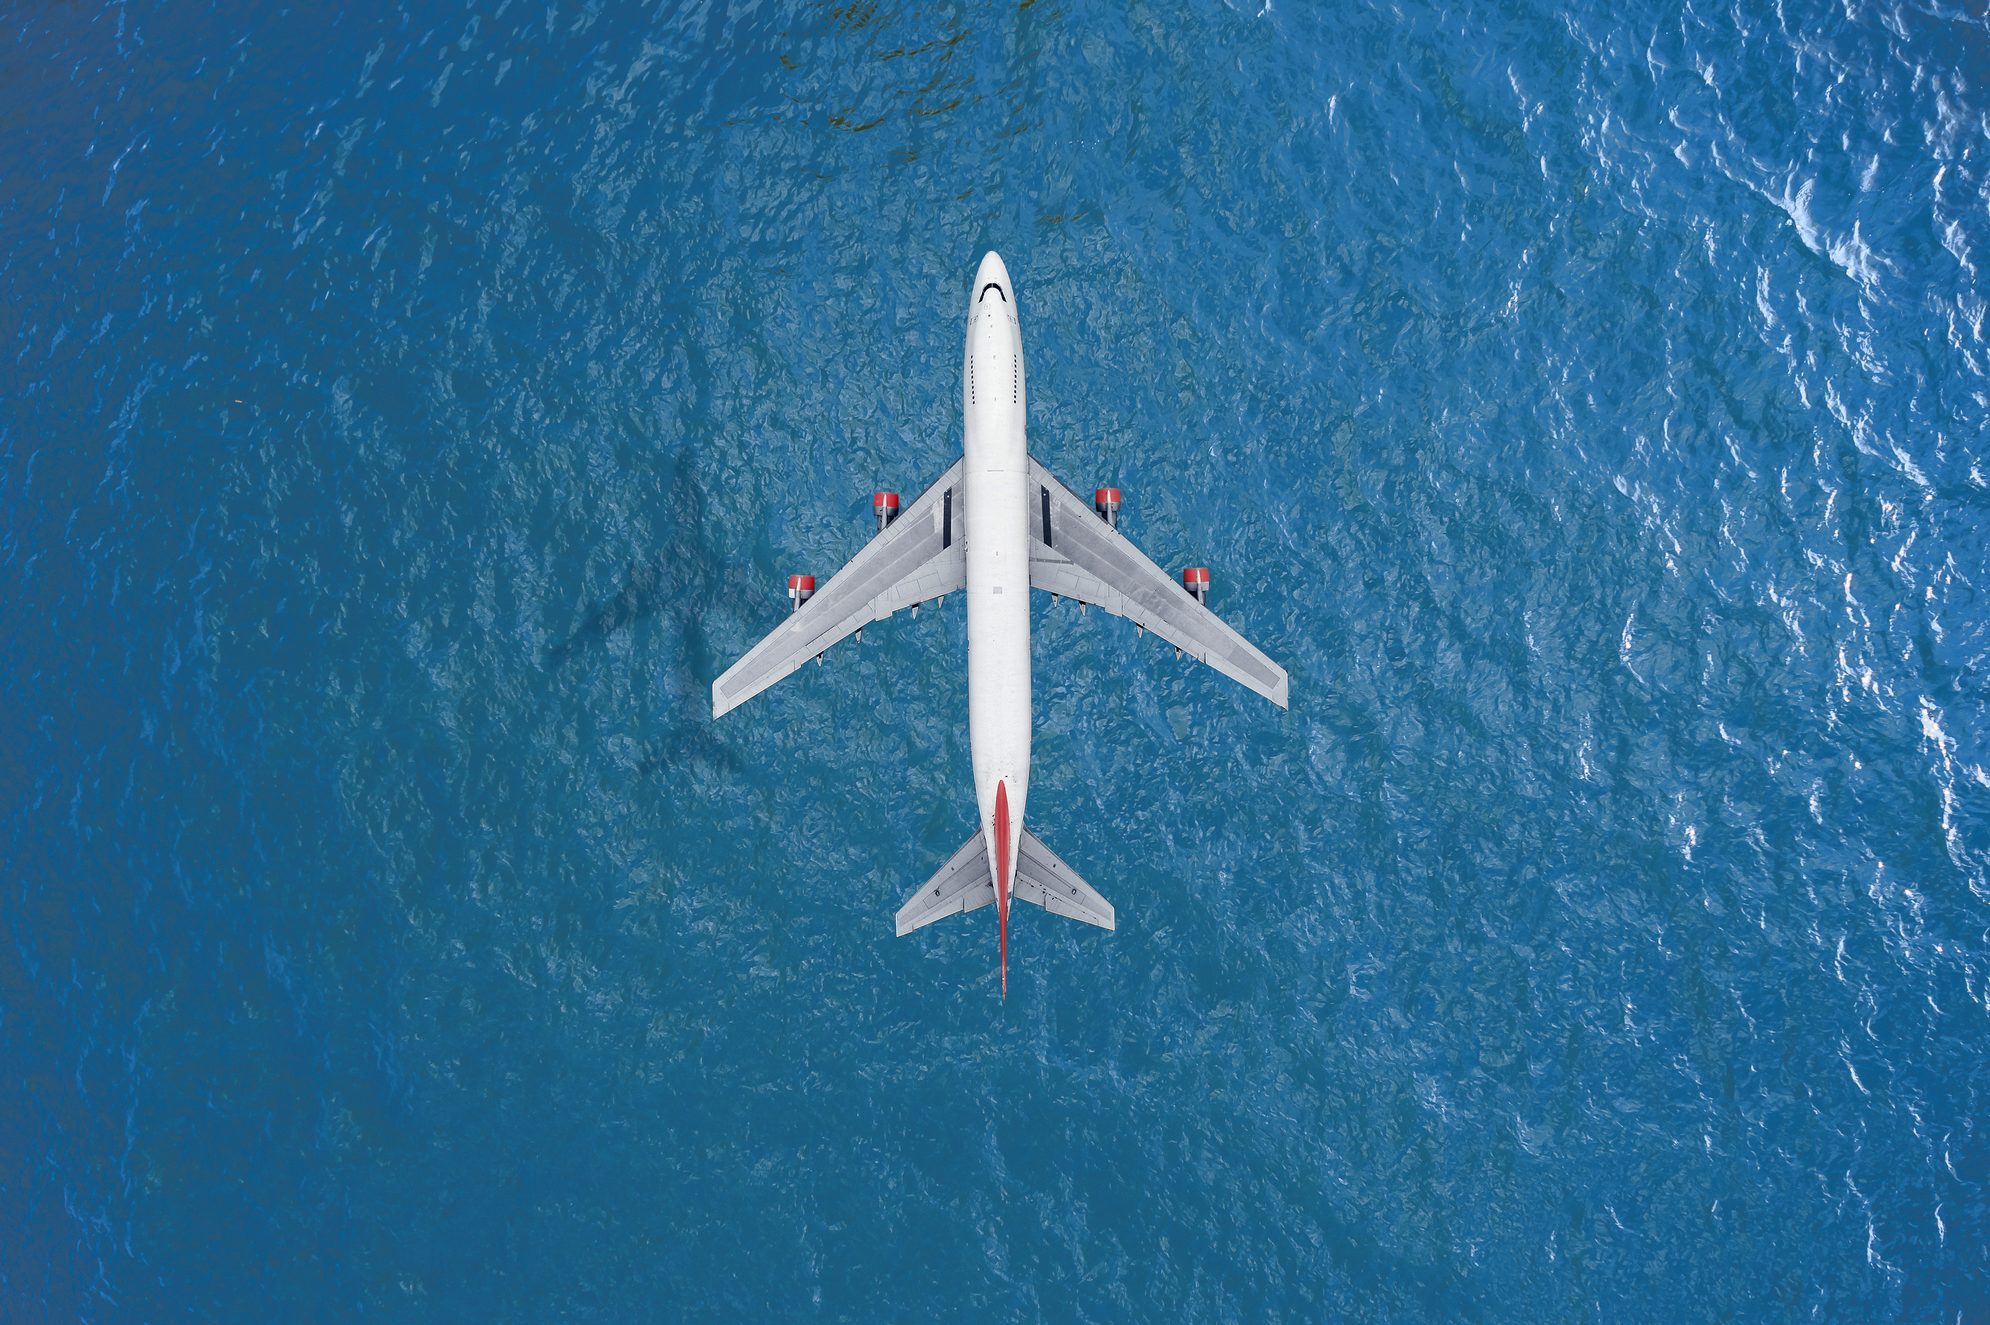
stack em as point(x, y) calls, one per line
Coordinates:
point(965, 884)
point(1044, 880)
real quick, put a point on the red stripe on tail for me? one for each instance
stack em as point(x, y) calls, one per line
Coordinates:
point(1002, 874)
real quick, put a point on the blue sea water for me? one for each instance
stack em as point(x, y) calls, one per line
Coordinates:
point(406, 413)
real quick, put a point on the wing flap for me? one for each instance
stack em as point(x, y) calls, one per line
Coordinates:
point(919, 556)
point(1075, 554)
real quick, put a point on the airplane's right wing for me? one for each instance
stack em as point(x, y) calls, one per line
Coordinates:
point(1075, 554)
point(920, 556)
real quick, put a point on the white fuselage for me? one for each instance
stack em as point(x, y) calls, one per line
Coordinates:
point(998, 571)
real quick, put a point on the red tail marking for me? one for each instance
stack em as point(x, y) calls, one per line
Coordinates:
point(1002, 874)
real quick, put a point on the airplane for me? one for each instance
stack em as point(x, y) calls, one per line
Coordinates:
point(996, 525)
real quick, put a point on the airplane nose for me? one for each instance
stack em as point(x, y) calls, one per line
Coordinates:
point(992, 280)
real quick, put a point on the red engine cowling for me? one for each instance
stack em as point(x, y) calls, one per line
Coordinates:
point(801, 588)
point(885, 506)
point(1106, 502)
point(1196, 580)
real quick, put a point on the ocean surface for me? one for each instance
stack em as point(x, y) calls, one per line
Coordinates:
point(406, 413)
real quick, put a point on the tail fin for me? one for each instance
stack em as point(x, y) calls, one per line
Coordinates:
point(964, 884)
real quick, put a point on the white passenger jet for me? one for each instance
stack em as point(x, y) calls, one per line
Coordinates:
point(997, 524)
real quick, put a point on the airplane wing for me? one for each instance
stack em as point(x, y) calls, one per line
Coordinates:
point(1075, 554)
point(919, 556)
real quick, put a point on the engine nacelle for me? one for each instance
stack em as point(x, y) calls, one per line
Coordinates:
point(1106, 502)
point(801, 588)
point(1196, 580)
point(885, 506)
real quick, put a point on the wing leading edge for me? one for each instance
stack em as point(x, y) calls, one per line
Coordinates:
point(919, 556)
point(1075, 554)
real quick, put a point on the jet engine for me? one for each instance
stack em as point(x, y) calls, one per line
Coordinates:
point(801, 588)
point(1196, 580)
point(1106, 502)
point(885, 506)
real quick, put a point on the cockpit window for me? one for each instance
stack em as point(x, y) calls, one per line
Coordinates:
point(996, 288)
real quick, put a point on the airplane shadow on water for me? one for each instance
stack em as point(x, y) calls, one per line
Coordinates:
point(642, 593)
point(661, 586)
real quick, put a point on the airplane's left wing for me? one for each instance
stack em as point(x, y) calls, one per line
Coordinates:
point(918, 557)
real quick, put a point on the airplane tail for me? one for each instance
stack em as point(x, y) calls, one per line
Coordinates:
point(965, 884)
